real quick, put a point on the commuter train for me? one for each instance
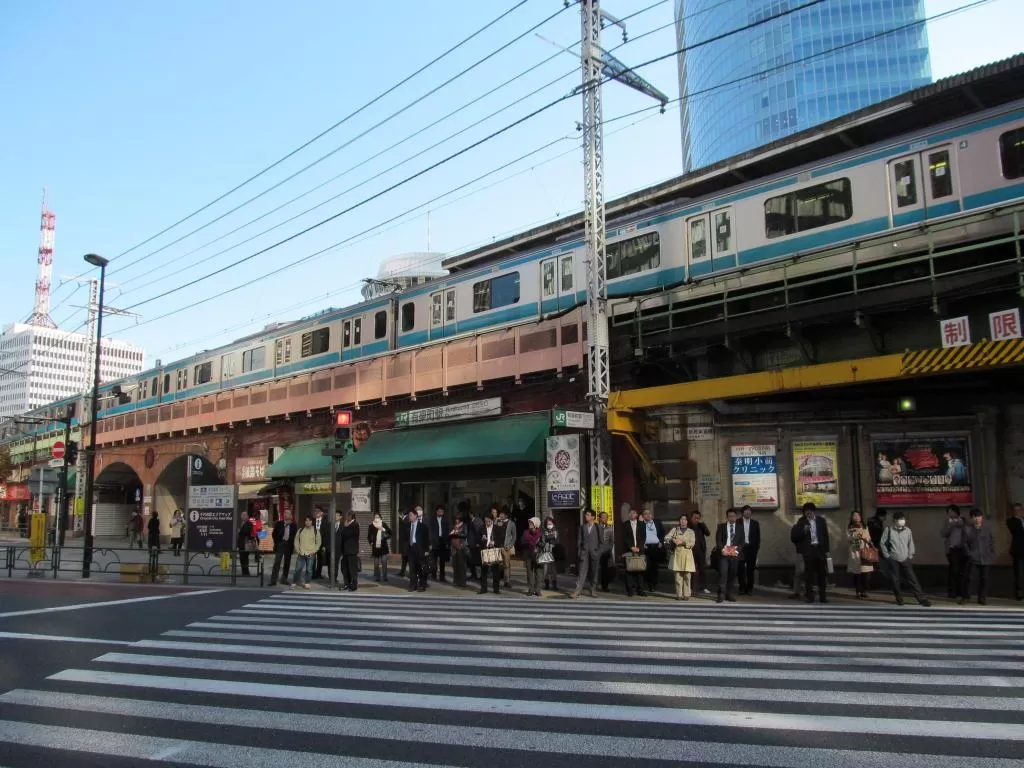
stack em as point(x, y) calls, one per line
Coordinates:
point(970, 164)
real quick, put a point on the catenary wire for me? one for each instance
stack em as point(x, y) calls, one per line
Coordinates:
point(413, 176)
point(346, 143)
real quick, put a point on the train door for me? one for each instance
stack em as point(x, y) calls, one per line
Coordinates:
point(443, 313)
point(351, 338)
point(712, 243)
point(923, 185)
point(557, 283)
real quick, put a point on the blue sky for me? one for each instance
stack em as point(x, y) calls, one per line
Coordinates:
point(135, 114)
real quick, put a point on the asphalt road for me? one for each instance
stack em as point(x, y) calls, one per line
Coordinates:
point(383, 680)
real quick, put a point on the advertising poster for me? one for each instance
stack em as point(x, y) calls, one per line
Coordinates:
point(816, 473)
point(563, 471)
point(922, 472)
point(755, 478)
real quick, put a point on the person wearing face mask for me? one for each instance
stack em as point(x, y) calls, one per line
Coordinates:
point(548, 542)
point(531, 553)
point(680, 541)
point(897, 545)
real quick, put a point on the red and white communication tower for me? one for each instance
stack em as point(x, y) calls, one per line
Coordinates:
point(47, 229)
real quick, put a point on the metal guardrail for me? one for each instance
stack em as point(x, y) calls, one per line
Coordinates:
point(154, 566)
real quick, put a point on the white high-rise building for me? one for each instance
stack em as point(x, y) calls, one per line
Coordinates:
point(40, 365)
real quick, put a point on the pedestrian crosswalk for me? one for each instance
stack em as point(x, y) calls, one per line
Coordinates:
point(395, 681)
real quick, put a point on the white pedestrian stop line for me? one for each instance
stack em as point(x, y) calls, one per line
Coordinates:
point(359, 693)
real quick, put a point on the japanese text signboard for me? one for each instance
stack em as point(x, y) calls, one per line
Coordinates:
point(211, 518)
point(922, 472)
point(563, 472)
point(955, 332)
point(755, 479)
point(1004, 325)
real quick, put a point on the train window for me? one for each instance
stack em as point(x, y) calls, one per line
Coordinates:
point(254, 359)
point(202, 373)
point(808, 208)
point(1011, 153)
point(154, 386)
point(906, 183)
point(496, 292)
point(380, 324)
point(637, 254)
point(566, 273)
point(698, 239)
point(408, 316)
point(357, 331)
point(316, 342)
point(723, 231)
point(167, 383)
point(548, 287)
point(283, 350)
point(436, 309)
point(940, 174)
point(449, 306)
point(346, 334)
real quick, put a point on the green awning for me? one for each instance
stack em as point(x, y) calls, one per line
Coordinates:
point(302, 459)
point(513, 439)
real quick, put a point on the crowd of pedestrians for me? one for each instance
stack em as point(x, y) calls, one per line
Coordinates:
point(480, 551)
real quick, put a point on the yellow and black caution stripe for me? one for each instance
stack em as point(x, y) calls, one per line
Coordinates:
point(984, 354)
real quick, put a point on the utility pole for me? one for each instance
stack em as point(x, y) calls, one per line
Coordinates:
point(597, 64)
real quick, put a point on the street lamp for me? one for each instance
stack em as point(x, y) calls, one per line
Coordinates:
point(96, 261)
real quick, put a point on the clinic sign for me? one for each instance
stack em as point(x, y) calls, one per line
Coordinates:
point(755, 478)
point(563, 472)
point(211, 518)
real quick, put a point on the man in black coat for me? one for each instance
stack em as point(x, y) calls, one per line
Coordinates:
point(701, 532)
point(284, 544)
point(244, 542)
point(751, 544)
point(1015, 524)
point(333, 547)
point(654, 536)
point(418, 549)
point(440, 542)
point(810, 535)
point(633, 541)
point(729, 543)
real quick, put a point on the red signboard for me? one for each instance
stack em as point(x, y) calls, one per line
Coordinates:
point(58, 450)
point(14, 492)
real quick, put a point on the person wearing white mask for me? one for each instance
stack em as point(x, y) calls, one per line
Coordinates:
point(378, 536)
point(897, 546)
point(548, 542)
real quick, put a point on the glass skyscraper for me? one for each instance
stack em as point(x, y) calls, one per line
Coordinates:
point(767, 82)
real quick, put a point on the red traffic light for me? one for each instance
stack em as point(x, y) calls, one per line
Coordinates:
point(343, 419)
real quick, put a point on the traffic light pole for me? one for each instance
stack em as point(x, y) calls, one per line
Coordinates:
point(62, 512)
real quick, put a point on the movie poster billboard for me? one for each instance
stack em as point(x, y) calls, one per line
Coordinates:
point(922, 472)
point(816, 473)
point(755, 480)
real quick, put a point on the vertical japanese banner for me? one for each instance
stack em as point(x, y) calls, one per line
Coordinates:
point(922, 472)
point(755, 479)
point(816, 473)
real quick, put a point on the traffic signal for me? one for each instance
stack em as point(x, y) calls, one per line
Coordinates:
point(71, 453)
point(343, 425)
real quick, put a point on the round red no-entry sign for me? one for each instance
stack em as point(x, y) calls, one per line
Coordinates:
point(58, 450)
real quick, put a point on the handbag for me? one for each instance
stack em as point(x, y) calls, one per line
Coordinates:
point(490, 556)
point(636, 563)
point(829, 567)
point(545, 557)
point(868, 554)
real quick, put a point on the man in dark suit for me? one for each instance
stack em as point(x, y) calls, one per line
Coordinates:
point(284, 544)
point(320, 526)
point(729, 542)
point(810, 535)
point(654, 538)
point(440, 542)
point(335, 545)
point(633, 541)
point(751, 543)
point(1016, 525)
point(418, 549)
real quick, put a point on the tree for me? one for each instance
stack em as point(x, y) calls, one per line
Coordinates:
point(5, 463)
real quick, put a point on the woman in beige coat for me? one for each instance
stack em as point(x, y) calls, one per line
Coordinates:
point(859, 539)
point(680, 541)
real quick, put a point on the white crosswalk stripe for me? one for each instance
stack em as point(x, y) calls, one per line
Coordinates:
point(382, 681)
